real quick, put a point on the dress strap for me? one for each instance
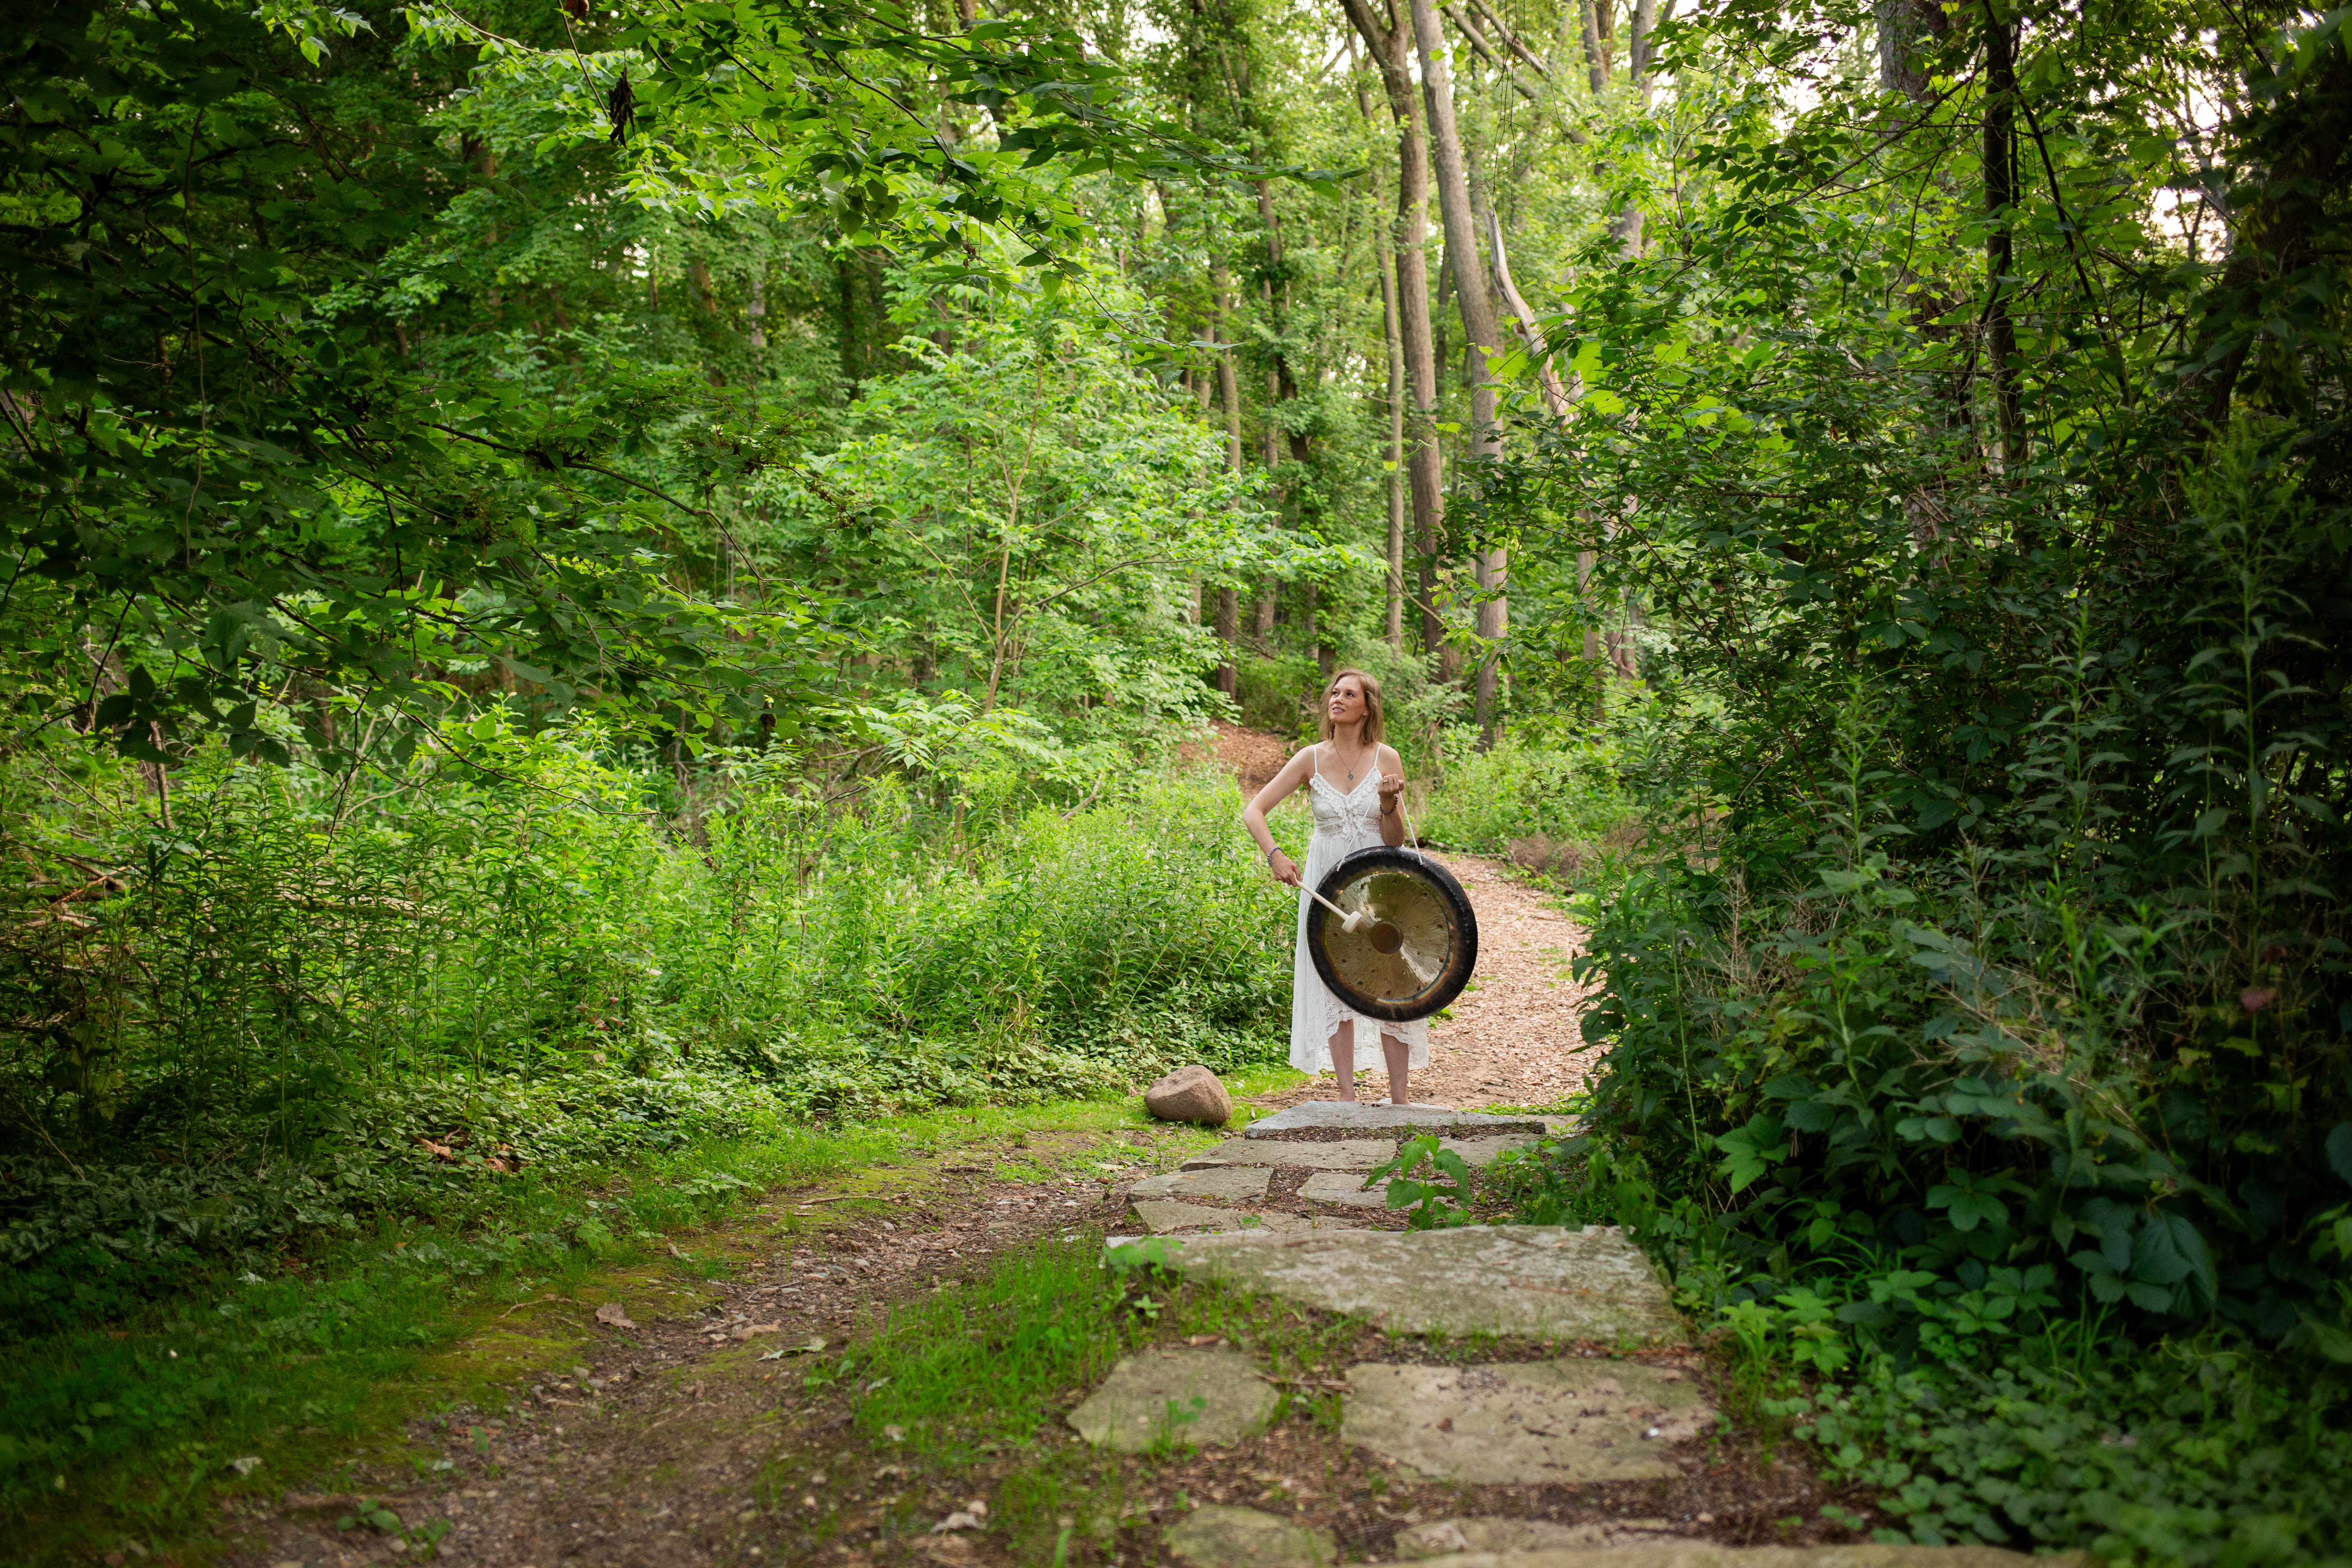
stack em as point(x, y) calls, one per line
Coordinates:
point(1314, 754)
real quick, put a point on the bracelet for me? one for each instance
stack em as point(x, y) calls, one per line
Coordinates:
point(1388, 811)
point(1272, 853)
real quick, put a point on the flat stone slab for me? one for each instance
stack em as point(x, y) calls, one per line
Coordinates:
point(1480, 1152)
point(1217, 1181)
point(1215, 1536)
point(1521, 1422)
point(1343, 1187)
point(1207, 1396)
point(1368, 1116)
point(1706, 1554)
point(1450, 1537)
point(1539, 1280)
point(1164, 1217)
point(1340, 1154)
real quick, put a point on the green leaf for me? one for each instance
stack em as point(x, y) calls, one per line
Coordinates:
point(2339, 1150)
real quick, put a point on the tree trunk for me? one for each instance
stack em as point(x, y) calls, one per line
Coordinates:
point(1390, 46)
point(1478, 328)
point(1999, 196)
point(1229, 391)
point(1903, 27)
point(1389, 329)
point(1596, 64)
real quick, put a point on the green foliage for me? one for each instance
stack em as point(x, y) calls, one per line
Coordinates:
point(288, 1009)
point(2197, 1455)
point(1520, 791)
point(1977, 1024)
point(1041, 515)
point(1431, 1183)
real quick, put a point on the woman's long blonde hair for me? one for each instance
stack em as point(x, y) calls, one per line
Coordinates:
point(1375, 726)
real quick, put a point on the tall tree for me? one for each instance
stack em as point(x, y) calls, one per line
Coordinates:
point(1454, 206)
point(1229, 397)
point(2000, 196)
point(1389, 40)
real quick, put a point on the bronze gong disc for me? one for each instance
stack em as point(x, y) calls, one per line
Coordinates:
point(1419, 947)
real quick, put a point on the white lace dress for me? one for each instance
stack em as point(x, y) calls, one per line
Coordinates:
point(1344, 823)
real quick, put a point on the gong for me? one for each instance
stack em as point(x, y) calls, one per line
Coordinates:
point(1392, 934)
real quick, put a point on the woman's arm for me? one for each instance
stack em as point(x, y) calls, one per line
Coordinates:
point(1392, 797)
point(1277, 789)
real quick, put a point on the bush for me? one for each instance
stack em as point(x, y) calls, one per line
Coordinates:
point(295, 1002)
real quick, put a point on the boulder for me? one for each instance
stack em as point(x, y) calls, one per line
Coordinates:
point(1190, 1094)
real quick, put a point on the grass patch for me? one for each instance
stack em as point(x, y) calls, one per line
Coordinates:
point(128, 1431)
point(978, 1380)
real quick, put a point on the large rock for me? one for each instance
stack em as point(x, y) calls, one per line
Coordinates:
point(1706, 1554)
point(1190, 1094)
point(1219, 1537)
point(1176, 1396)
point(1526, 1423)
point(1365, 1116)
point(1546, 1282)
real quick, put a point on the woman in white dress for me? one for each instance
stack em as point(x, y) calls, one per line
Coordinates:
point(1353, 783)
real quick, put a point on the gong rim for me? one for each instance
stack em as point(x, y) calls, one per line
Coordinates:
point(1365, 866)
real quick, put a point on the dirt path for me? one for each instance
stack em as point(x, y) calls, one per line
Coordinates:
point(1513, 1039)
point(661, 1444)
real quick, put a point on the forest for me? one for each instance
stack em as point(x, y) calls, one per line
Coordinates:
point(624, 586)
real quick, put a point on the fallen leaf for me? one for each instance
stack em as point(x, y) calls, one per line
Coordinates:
point(674, 1252)
point(811, 1348)
point(614, 1314)
point(438, 1151)
point(749, 1330)
point(959, 1519)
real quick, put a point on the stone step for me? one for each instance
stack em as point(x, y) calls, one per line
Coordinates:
point(1218, 1536)
point(1566, 1422)
point(1235, 1182)
point(1365, 1116)
point(1204, 1395)
point(1547, 1282)
point(1339, 1154)
point(1167, 1217)
point(1707, 1554)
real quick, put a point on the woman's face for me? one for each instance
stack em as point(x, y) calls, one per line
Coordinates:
point(1347, 702)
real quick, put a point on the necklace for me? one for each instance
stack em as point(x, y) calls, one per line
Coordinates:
point(1357, 767)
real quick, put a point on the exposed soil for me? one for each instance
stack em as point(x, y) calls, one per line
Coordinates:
point(1254, 756)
